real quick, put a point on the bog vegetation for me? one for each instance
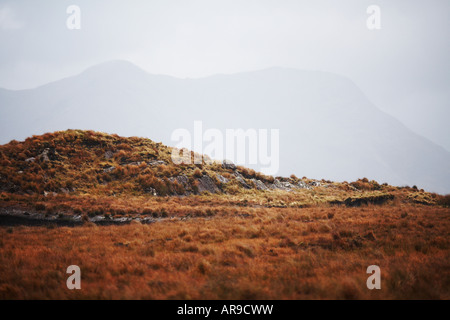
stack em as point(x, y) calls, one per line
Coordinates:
point(217, 231)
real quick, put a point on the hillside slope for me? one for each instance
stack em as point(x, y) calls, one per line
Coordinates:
point(328, 128)
point(243, 236)
point(75, 172)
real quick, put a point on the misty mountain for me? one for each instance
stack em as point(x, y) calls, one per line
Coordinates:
point(328, 128)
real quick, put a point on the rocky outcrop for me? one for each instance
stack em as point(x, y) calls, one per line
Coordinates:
point(227, 164)
point(47, 155)
point(241, 180)
point(259, 184)
point(184, 182)
point(303, 185)
point(151, 191)
point(109, 154)
point(136, 163)
point(108, 169)
point(222, 179)
point(154, 163)
point(205, 183)
point(315, 184)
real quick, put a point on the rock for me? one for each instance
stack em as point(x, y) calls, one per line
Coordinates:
point(109, 155)
point(227, 164)
point(282, 185)
point(32, 159)
point(156, 163)
point(222, 179)
point(151, 190)
point(184, 181)
point(48, 154)
point(315, 184)
point(109, 169)
point(207, 184)
point(259, 184)
point(44, 155)
point(287, 185)
point(137, 163)
point(277, 183)
point(241, 180)
point(303, 185)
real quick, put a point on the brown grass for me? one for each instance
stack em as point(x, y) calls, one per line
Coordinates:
point(273, 253)
point(238, 244)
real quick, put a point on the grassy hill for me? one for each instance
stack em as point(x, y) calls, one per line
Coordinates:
point(209, 231)
point(85, 172)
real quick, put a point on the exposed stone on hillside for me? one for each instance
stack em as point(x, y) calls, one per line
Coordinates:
point(303, 185)
point(241, 180)
point(156, 163)
point(184, 182)
point(222, 179)
point(108, 169)
point(227, 164)
point(109, 154)
point(315, 184)
point(136, 163)
point(48, 154)
point(277, 184)
point(207, 184)
point(259, 184)
point(151, 191)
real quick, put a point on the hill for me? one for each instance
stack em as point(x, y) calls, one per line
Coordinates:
point(206, 231)
point(104, 177)
point(328, 128)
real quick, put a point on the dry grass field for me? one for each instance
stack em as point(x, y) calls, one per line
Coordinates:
point(311, 240)
point(273, 253)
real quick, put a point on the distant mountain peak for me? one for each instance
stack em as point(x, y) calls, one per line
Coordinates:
point(328, 127)
point(114, 66)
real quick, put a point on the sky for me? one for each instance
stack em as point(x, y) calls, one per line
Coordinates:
point(403, 68)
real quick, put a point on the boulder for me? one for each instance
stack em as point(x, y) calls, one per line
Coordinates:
point(48, 154)
point(259, 184)
point(44, 155)
point(222, 179)
point(151, 190)
point(315, 184)
point(205, 183)
point(156, 163)
point(303, 185)
point(227, 164)
point(282, 185)
point(137, 163)
point(109, 169)
point(241, 180)
point(109, 154)
point(184, 181)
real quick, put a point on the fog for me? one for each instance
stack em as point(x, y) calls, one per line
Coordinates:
point(402, 68)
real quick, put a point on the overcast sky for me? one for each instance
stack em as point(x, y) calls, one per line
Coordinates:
point(404, 68)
